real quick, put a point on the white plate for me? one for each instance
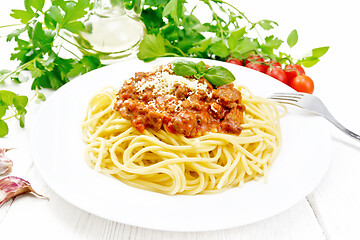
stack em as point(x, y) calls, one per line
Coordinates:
point(57, 149)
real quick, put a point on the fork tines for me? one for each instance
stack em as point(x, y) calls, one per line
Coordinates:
point(294, 97)
point(287, 98)
point(289, 95)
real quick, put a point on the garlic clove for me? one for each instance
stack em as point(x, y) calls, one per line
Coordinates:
point(5, 163)
point(12, 186)
point(5, 166)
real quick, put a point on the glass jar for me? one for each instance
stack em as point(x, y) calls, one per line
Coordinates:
point(113, 29)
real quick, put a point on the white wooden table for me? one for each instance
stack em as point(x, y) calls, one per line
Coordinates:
point(331, 211)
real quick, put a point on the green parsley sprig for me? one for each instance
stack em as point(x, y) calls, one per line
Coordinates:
point(39, 49)
point(15, 104)
point(172, 30)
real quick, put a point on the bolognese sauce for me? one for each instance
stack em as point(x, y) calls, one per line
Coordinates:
point(188, 106)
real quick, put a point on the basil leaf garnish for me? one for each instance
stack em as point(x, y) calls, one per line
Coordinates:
point(216, 75)
point(184, 68)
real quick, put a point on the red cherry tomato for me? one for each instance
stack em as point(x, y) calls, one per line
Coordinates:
point(277, 73)
point(253, 57)
point(302, 83)
point(274, 63)
point(257, 66)
point(235, 61)
point(293, 70)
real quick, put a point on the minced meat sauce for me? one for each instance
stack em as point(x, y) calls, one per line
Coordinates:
point(187, 106)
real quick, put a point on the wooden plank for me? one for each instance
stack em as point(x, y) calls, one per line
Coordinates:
point(287, 225)
point(336, 200)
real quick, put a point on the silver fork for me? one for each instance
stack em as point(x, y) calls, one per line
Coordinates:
point(312, 104)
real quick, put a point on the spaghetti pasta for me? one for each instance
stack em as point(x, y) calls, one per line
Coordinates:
point(170, 163)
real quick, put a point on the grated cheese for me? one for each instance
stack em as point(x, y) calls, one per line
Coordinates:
point(213, 108)
point(163, 83)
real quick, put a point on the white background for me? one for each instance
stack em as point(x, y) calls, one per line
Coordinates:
point(332, 211)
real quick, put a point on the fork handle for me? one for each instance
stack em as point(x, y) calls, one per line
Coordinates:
point(329, 117)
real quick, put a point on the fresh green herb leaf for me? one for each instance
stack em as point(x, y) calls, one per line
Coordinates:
point(42, 39)
point(220, 49)
point(153, 20)
point(273, 42)
point(201, 46)
point(265, 24)
point(218, 75)
point(152, 47)
point(37, 4)
point(23, 16)
point(53, 17)
point(174, 8)
point(55, 81)
point(3, 111)
point(35, 70)
point(41, 82)
point(60, 3)
point(314, 59)
point(191, 22)
point(246, 45)
point(17, 104)
point(184, 68)
point(292, 38)
point(74, 27)
point(234, 38)
point(20, 102)
point(15, 34)
point(308, 61)
point(171, 9)
point(319, 52)
point(86, 64)
point(155, 2)
point(201, 67)
point(41, 96)
point(4, 129)
point(22, 120)
point(7, 97)
point(74, 11)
